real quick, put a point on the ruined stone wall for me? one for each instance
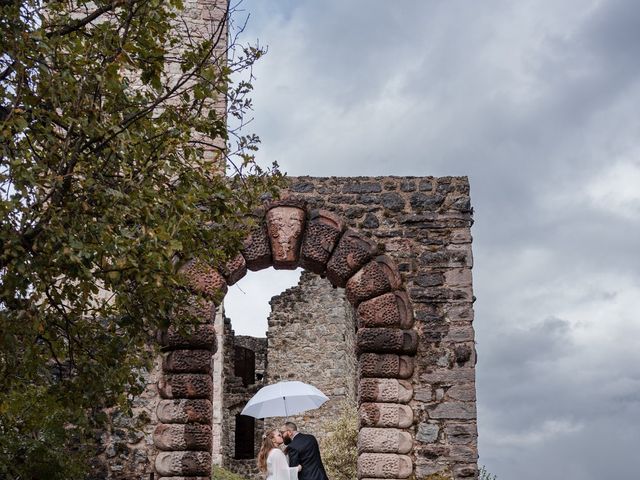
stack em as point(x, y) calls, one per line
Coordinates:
point(311, 338)
point(417, 412)
point(234, 396)
point(424, 225)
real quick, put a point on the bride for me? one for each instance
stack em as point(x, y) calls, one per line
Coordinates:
point(272, 461)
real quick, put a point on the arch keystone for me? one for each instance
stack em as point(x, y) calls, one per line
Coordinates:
point(285, 226)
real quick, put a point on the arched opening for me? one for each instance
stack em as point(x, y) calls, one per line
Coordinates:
point(288, 236)
point(310, 336)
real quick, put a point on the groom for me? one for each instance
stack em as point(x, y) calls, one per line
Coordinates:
point(303, 450)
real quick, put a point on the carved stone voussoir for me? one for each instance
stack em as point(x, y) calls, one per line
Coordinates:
point(172, 464)
point(351, 253)
point(186, 385)
point(387, 415)
point(387, 340)
point(384, 465)
point(175, 437)
point(384, 440)
point(375, 278)
point(187, 361)
point(184, 411)
point(385, 365)
point(320, 238)
point(285, 226)
point(256, 248)
point(197, 337)
point(235, 269)
point(205, 280)
point(384, 390)
point(388, 310)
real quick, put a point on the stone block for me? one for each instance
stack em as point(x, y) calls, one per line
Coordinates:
point(285, 226)
point(198, 337)
point(461, 433)
point(427, 433)
point(465, 392)
point(386, 415)
point(384, 465)
point(235, 269)
point(385, 365)
point(320, 239)
point(175, 437)
point(384, 390)
point(454, 410)
point(463, 454)
point(388, 310)
point(352, 253)
point(186, 385)
point(386, 340)
point(187, 361)
point(172, 464)
point(448, 376)
point(256, 248)
point(384, 440)
point(205, 280)
point(376, 278)
point(185, 411)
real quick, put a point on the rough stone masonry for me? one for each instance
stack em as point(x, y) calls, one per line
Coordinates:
point(401, 249)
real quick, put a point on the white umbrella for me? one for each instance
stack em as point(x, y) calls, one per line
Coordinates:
point(283, 399)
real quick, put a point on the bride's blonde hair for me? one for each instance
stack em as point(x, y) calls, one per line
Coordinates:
point(265, 448)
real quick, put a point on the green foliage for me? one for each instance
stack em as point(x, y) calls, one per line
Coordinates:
point(103, 185)
point(220, 473)
point(340, 445)
point(484, 475)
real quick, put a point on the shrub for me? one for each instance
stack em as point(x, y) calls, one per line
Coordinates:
point(340, 445)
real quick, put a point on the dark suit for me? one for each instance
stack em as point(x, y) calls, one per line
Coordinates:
point(303, 450)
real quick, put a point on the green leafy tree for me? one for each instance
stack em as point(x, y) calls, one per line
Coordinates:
point(106, 113)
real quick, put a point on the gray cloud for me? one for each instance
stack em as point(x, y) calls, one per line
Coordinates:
point(537, 103)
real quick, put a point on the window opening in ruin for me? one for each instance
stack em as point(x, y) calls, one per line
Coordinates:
point(244, 365)
point(245, 436)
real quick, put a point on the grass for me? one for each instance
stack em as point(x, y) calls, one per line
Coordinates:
point(220, 473)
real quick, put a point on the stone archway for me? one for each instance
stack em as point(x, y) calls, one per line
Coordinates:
point(290, 235)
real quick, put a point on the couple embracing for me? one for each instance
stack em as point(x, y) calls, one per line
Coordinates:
point(304, 462)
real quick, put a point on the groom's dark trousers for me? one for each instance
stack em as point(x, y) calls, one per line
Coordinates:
point(303, 450)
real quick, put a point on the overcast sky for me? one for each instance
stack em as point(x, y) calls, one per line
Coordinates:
point(538, 103)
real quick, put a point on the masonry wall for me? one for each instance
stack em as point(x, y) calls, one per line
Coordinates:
point(235, 396)
point(311, 338)
point(424, 224)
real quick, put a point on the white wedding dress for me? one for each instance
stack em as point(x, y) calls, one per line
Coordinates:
point(278, 468)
